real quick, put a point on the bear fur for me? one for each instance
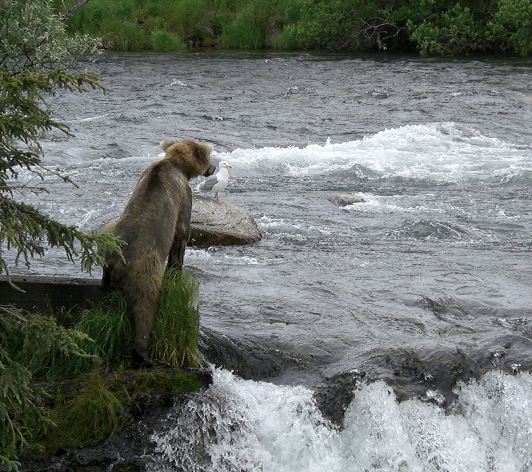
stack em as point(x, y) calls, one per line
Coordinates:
point(155, 226)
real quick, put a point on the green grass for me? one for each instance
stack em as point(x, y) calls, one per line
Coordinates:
point(109, 333)
point(164, 41)
point(63, 386)
point(104, 403)
point(174, 340)
point(98, 410)
point(341, 25)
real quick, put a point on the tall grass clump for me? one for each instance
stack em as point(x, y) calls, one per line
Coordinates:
point(255, 24)
point(190, 18)
point(96, 412)
point(109, 333)
point(175, 334)
point(164, 41)
point(173, 341)
point(245, 31)
point(124, 36)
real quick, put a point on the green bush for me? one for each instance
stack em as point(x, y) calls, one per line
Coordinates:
point(456, 32)
point(510, 28)
point(190, 19)
point(124, 35)
point(163, 41)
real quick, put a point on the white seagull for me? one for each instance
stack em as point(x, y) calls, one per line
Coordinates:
point(217, 182)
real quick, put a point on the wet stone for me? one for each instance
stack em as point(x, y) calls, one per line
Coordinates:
point(345, 199)
point(221, 225)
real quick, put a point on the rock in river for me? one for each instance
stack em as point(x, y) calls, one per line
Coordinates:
point(345, 199)
point(220, 225)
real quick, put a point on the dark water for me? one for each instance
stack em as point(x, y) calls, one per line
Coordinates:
point(424, 284)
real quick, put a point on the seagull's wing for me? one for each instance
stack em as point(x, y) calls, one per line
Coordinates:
point(209, 183)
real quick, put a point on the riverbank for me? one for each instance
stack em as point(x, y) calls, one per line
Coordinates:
point(490, 26)
point(65, 364)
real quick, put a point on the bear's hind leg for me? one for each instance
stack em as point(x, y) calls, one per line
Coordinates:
point(177, 254)
point(142, 299)
point(143, 323)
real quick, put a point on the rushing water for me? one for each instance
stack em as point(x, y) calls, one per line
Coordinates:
point(394, 333)
point(245, 425)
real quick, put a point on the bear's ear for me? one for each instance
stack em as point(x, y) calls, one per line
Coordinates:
point(166, 144)
point(206, 148)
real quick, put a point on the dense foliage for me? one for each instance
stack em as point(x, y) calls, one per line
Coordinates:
point(426, 26)
point(37, 57)
point(39, 358)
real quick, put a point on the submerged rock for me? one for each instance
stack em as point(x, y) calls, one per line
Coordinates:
point(345, 199)
point(221, 225)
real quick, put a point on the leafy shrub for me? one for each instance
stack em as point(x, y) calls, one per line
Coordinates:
point(510, 28)
point(17, 410)
point(456, 32)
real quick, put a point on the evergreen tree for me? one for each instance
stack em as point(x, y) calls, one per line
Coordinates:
point(37, 59)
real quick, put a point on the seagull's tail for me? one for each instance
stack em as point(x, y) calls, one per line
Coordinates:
point(198, 188)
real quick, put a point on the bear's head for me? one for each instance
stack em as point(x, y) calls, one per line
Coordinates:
point(194, 159)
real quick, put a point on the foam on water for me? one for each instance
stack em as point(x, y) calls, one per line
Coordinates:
point(397, 204)
point(288, 230)
point(440, 152)
point(240, 425)
point(201, 257)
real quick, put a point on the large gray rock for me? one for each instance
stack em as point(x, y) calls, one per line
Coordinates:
point(220, 225)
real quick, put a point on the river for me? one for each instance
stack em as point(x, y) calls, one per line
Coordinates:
point(393, 334)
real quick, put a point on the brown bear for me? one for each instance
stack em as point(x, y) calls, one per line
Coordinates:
point(155, 226)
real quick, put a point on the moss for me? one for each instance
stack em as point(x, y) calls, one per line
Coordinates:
point(164, 381)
